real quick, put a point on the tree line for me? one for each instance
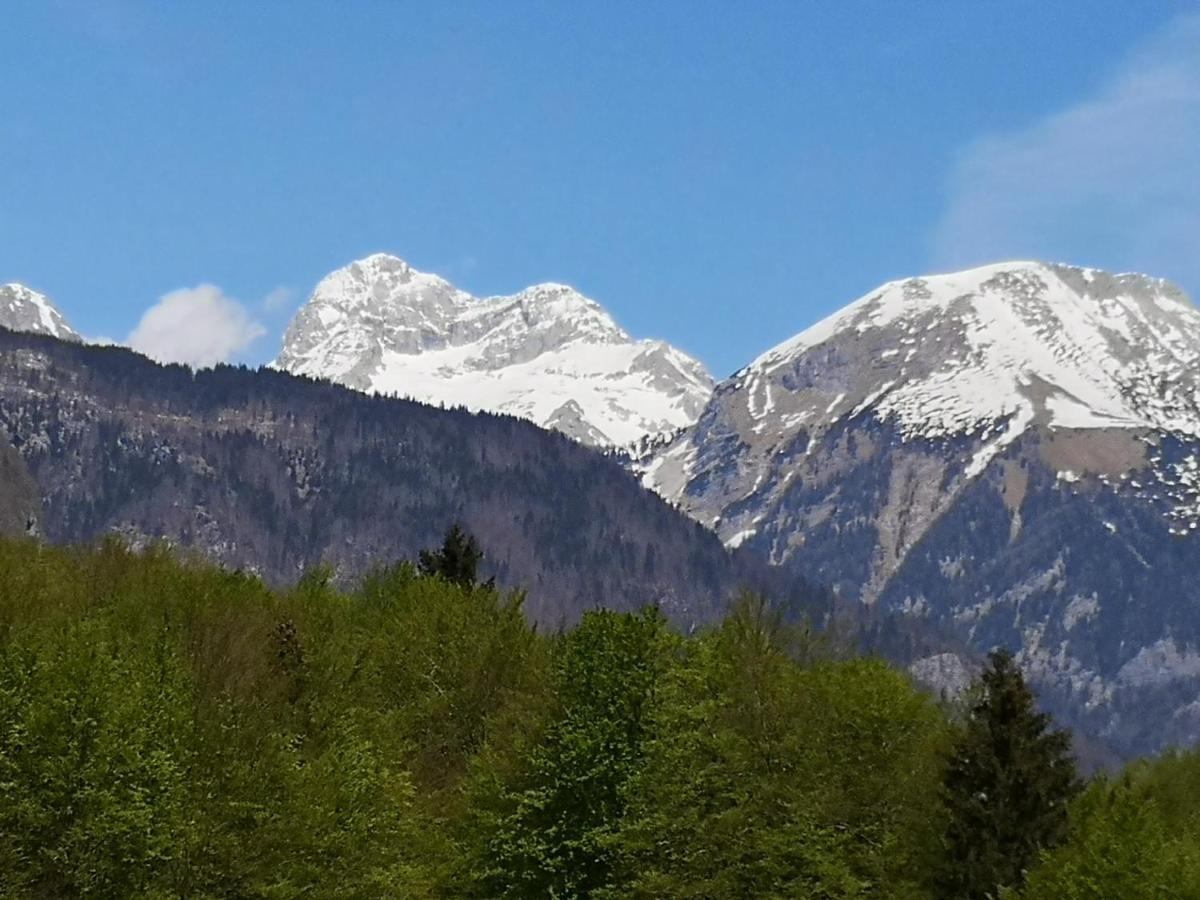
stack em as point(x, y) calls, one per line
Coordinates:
point(172, 729)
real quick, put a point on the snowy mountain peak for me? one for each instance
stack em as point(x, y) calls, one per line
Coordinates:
point(382, 261)
point(546, 353)
point(23, 309)
point(1019, 286)
point(1011, 453)
point(1065, 346)
point(982, 355)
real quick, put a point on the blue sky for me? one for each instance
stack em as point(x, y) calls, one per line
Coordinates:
point(717, 174)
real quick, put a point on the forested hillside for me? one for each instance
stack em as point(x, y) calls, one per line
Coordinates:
point(273, 473)
point(20, 505)
point(172, 729)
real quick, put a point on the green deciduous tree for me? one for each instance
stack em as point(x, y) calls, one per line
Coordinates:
point(551, 834)
point(766, 777)
point(1117, 847)
point(94, 762)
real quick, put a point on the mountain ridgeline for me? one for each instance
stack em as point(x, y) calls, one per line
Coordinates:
point(1003, 457)
point(273, 473)
point(1011, 453)
point(547, 353)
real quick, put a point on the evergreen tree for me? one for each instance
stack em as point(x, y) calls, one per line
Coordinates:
point(1006, 788)
point(457, 560)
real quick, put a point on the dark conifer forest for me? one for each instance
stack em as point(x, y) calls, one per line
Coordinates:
point(272, 473)
point(169, 728)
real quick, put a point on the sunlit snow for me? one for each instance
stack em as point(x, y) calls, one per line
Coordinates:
point(547, 354)
point(23, 309)
point(984, 354)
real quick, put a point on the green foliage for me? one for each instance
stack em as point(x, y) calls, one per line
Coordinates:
point(1006, 787)
point(169, 729)
point(551, 833)
point(1173, 783)
point(95, 752)
point(1118, 847)
point(1135, 837)
point(770, 779)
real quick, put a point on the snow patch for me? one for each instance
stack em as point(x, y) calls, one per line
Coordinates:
point(547, 353)
point(740, 538)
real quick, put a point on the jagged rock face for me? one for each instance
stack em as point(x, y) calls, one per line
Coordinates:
point(1012, 452)
point(20, 502)
point(547, 354)
point(22, 309)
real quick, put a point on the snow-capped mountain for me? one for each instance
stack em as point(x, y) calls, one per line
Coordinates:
point(1011, 451)
point(983, 354)
point(547, 354)
point(22, 309)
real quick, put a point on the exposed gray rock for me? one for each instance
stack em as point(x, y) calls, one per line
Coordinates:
point(20, 501)
point(547, 354)
point(945, 674)
point(1011, 453)
point(22, 309)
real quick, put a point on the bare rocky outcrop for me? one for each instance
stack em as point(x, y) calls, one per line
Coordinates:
point(547, 353)
point(20, 501)
point(1011, 453)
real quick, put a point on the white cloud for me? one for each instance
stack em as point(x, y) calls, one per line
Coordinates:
point(276, 299)
point(199, 326)
point(1113, 181)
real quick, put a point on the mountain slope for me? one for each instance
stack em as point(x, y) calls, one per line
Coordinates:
point(274, 473)
point(23, 309)
point(547, 354)
point(20, 503)
point(1012, 452)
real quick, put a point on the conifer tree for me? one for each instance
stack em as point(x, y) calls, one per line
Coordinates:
point(456, 561)
point(1006, 787)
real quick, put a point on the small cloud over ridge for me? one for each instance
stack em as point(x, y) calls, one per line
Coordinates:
point(199, 326)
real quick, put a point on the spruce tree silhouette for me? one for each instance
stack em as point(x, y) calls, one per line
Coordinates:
point(456, 561)
point(1006, 788)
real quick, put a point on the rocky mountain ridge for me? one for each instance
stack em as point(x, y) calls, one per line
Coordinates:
point(24, 309)
point(547, 353)
point(1011, 452)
